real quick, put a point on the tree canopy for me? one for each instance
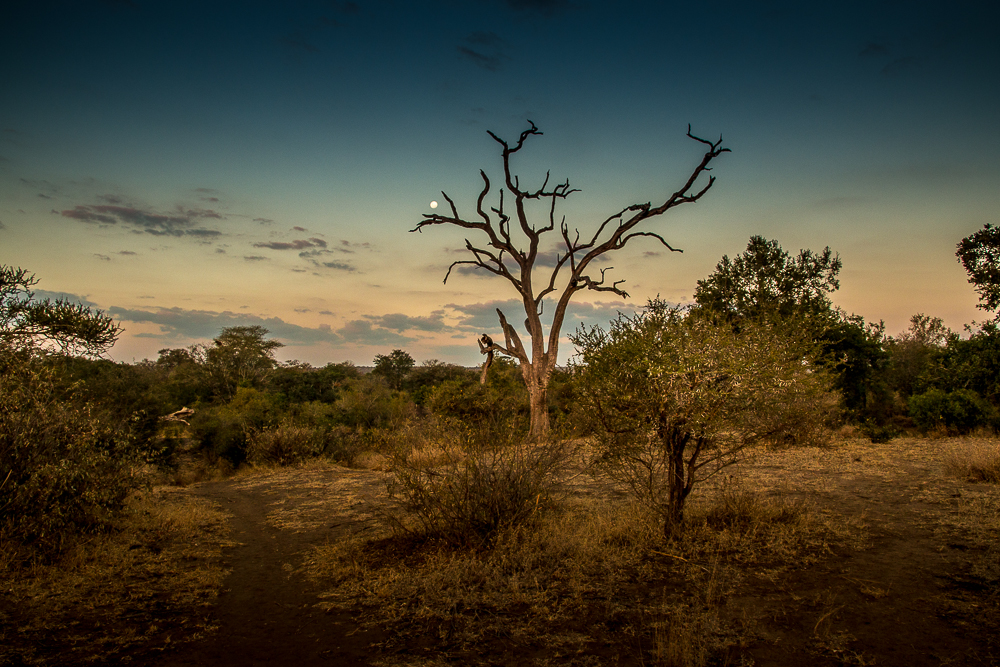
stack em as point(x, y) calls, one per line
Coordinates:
point(980, 255)
point(766, 282)
point(60, 325)
point(394, 367)
point(675, 397)
point(240, 357)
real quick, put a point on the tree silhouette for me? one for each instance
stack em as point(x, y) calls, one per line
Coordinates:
point(980, 255)
point(504, 230)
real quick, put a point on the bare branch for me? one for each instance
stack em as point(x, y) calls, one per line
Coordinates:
point(653, 235)
point(513, 341)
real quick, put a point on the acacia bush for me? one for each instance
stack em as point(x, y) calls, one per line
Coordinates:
point(675, 397)
point(482, 481)
point(65, 470)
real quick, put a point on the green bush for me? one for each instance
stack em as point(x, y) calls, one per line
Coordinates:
point(65, 470)
point(369, 403)
point(223, 431)
point(959, 411)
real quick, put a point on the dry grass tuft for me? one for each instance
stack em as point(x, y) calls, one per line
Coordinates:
point(975, 459)
point(107, 598)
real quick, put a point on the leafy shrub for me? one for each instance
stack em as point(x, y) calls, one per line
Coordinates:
point(369, 403)
point(223, 431)
point(65, 470)
point(502, 396)
point(478, 483)
point(959, 411)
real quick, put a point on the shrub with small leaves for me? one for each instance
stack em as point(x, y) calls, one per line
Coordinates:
point(65, 471)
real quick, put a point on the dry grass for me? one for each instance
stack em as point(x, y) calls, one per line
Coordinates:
point(143, 587)
point(975, 459)
point(592, 578)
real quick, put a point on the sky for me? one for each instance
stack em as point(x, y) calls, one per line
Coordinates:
point(187, 167)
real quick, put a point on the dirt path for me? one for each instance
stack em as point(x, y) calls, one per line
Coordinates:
point(266, 613)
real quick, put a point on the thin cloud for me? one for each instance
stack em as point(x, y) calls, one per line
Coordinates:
point(256, 258)
point(298, 42)
point(482, 316)
point(873, 50)
point(484, 49)
point(401, 322)
point(300, 244)
point(63, 296)
point(362, 332)
point(179, 223)
point(338, 266)
point(180, 324)
point(900, 67)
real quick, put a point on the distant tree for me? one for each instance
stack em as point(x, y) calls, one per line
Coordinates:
point(912, 352)
point(676, 398)
point(972, 363)
point(240, 357)
point(511, 247)
point(393, 367)
point(30, 323)
point(300, 382)
point(765, 282)
point(980, 255)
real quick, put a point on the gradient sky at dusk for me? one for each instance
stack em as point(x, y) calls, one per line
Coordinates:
point(190, 166)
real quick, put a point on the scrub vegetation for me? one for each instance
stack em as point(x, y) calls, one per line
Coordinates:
point(757, 476)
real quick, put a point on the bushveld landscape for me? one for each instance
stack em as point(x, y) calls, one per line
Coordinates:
point(757, 478)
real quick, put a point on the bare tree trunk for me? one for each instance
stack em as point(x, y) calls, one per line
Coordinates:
point(677, 488)
point(538, 401)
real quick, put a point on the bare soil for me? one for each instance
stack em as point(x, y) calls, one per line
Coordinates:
point(917, 583)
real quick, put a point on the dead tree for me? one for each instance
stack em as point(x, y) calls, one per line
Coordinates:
point(500, 254)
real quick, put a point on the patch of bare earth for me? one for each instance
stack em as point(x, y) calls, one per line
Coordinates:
point(857, 554)
point(923, 590)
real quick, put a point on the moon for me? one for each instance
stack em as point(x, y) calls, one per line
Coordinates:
point(434, 204)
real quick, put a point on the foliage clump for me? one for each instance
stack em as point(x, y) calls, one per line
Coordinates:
point(960, 411)
point(66, 463)
point(675, 397)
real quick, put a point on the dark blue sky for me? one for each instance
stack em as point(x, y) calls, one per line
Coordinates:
point(193, 165)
